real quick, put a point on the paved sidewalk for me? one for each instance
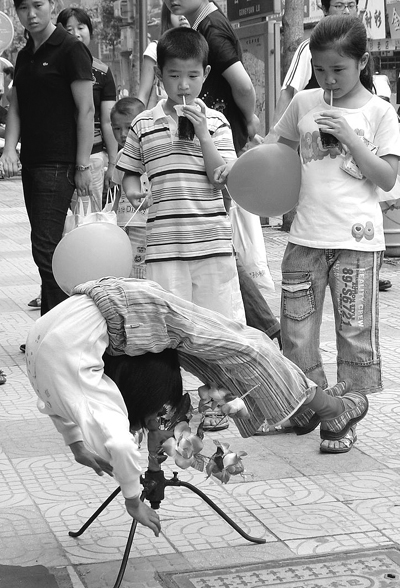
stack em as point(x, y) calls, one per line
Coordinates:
point(302, 502)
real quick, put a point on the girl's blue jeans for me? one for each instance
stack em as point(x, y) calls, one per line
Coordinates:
point(48, 191)
point(352, 277)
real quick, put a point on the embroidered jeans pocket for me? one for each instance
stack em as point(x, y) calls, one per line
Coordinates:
point(297, 295)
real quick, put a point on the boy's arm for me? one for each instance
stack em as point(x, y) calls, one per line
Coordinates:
point(110, 143)
point(211, 155)
point(132, 187)
point(212, 158)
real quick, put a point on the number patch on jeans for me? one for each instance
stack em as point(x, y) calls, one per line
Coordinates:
point(351, 299)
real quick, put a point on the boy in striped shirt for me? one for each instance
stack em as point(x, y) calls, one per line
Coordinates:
point(189, 236)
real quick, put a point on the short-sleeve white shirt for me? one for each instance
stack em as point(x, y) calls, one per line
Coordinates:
point(336, 210)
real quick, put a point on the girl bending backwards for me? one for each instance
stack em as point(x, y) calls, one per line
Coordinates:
point(337, 238)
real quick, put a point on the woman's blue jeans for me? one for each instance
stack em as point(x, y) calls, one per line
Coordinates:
point(48, 191)
point(352, 277)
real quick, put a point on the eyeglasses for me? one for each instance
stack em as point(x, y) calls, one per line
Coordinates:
point(342, 6)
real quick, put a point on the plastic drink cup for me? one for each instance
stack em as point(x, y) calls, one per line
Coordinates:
point(327, 139)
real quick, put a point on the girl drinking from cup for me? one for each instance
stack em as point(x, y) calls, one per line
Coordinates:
point(337, 238)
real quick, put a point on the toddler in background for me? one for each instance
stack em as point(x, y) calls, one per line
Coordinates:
point(122, 115)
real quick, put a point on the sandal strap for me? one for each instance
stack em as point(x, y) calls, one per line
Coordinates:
point(303, 418)
point(337, 427)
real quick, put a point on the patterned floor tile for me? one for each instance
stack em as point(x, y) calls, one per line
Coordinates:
point(360, 485)
point(31, 438)
point(25, 539)
point(106, 538)
point(317, 520)
point(59, 478)
point(211, 532)
point(339, 543)
point(279, 493)
point(182, 502)
point(13, 492)
point(382, 513)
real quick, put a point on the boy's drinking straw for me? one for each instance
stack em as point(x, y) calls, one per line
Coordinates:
point(183, 100)
point(331, 98)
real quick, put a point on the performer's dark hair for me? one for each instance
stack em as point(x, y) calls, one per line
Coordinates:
point(147, 382)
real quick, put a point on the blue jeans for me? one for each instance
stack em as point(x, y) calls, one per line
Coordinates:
point(258, 313)
point(352, 277)
point(48, 191)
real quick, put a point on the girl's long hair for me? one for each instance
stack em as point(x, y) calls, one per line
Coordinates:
point(348, 36)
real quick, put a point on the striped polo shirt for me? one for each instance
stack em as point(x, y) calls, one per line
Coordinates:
point(188, 220)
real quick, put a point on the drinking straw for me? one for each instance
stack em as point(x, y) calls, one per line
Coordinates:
point(184, 101)
point(331, 98)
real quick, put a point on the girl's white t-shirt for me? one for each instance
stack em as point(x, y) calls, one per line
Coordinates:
point(336, 210)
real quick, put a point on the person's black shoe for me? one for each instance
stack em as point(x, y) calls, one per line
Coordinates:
point(384, 285)
point(22, 347)
point(35, 303)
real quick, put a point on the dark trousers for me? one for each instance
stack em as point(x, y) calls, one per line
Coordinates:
point(48, 191)
point(258, 313)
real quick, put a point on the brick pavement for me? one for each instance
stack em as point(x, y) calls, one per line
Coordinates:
point(303, 503)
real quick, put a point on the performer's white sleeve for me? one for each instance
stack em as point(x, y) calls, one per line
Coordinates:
point(64, 359)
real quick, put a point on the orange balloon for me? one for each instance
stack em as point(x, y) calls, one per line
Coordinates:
point(266, 180)
point(90, 252)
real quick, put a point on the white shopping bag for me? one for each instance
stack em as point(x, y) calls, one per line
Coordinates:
point(84, 213)
point(248, 241)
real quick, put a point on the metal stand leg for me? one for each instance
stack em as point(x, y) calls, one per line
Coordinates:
point(95, 515)
point(154, 484)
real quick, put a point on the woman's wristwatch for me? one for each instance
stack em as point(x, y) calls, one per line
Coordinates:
point(82, 167)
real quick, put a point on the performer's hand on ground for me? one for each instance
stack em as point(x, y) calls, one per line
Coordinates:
point(143, 514)
point(91, 460)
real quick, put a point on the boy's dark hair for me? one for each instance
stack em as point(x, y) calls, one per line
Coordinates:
point(128, 106)
point(147, 382)
point(80, 15)
point(182, 43)
point(348, 36)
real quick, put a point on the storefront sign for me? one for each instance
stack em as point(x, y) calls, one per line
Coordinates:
point(393, 9)
point(372, 14)
point(246, 9)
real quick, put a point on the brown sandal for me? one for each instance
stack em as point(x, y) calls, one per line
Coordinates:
point(342, 445)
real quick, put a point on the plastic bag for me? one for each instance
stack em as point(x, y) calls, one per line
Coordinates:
point(84, 213)
point(248, 241)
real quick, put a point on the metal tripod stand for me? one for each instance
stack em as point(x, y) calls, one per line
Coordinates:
point(154, 484)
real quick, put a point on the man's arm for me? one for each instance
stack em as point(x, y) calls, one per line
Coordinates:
point(285, 98)
point(82, 92)
point(243, 94)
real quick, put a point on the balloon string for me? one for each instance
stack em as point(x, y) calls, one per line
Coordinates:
point(136, 211)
